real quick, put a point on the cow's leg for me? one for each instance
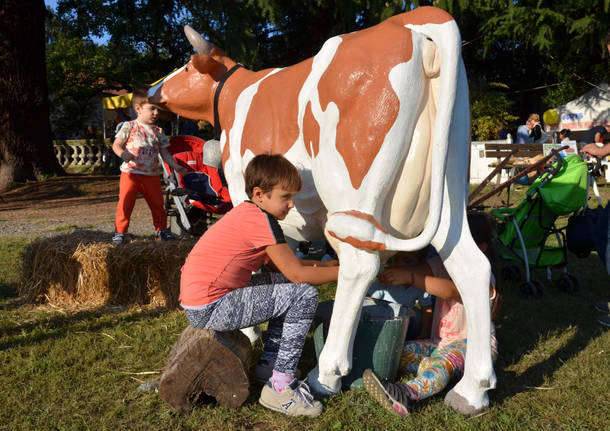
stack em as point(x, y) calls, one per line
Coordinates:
point(357, 270)
point(470, 270)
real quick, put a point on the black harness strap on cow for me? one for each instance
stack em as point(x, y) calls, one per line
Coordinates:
point(217, 96)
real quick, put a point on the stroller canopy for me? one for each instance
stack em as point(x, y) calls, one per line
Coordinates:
point(566, 192)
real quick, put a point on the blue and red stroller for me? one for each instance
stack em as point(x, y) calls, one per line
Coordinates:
point(197, 199)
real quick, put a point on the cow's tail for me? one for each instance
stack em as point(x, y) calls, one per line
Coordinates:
point(360, 230)
point(447, 39)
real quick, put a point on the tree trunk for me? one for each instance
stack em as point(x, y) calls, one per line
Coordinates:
point(26, 151)
point(207, 362)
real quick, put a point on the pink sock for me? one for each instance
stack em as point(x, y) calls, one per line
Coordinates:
point(281, 380)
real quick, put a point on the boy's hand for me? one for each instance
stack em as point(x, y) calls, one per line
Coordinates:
point(126, 156)
point(396, 276)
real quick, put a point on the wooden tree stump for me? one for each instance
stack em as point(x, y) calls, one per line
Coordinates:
point(208, 362)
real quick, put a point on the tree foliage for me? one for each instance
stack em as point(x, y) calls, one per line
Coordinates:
point(490, 108)
point(76, 68)
point(542, 52)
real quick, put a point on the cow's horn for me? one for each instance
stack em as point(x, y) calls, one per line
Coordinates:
point(201, 45)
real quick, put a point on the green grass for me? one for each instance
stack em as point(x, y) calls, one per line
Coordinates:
point(79, 369)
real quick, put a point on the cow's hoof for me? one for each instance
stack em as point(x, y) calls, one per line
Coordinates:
point(319, 390)
point(460, 404)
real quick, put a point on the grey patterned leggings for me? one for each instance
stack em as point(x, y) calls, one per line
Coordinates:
point(288, 307)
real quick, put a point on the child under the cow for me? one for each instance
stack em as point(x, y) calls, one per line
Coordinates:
point(437, 359)
point(218, 290)
point(420, 302)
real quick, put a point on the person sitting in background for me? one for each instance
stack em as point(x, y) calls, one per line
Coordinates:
point(529, 132)
point(564, 135)
point(594, 134)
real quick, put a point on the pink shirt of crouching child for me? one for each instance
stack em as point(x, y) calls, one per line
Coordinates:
point(227, 253)
point(449, 316)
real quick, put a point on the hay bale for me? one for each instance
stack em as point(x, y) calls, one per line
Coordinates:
point(208, 362)
point(84, 268)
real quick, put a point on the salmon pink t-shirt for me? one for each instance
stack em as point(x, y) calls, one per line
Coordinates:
point(227, 253)
point(449, 316)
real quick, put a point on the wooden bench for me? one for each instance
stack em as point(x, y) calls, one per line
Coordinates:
point(500, 151)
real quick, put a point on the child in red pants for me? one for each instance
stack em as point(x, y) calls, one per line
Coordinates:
point(138, 143)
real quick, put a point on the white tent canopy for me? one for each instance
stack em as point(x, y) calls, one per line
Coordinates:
point(590, 109)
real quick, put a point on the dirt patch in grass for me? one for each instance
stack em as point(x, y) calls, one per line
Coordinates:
point(66, 204)
point(72, 202)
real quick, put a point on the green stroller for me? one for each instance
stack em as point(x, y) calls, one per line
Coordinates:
point(528, 233)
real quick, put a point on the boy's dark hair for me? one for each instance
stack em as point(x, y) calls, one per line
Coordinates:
point(270, 170)
point(565, 132)
point(140, 95)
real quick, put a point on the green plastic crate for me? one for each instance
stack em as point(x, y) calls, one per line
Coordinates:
point(379, 339)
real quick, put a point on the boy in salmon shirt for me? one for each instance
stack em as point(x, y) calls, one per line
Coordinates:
point(218, 290)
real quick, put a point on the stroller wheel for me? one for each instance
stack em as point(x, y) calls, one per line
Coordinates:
point(568, 283)
point(511, 273)
point(528, 289)
point(540, 289)
point(575, 281)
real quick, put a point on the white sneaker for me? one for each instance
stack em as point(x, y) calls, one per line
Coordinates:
point(294, 400)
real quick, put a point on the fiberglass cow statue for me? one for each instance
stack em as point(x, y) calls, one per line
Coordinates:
point(378, 125)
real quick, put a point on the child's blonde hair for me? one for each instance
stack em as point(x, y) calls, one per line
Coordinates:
point(533, 118)
point(270, 170)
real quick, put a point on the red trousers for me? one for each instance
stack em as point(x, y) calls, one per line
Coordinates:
point(150, 187)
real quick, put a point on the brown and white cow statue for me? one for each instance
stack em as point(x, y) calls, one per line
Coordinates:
point(378, 125)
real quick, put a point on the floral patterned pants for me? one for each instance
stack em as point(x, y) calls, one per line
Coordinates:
point(433, 366)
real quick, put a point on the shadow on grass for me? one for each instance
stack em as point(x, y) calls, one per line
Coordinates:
point(44, 328)
point(9, 297)
point(537, 325)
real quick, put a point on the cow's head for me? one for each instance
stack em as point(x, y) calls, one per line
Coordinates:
point(189, 91)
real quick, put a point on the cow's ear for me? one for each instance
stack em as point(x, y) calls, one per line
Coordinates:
point(207, 65)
